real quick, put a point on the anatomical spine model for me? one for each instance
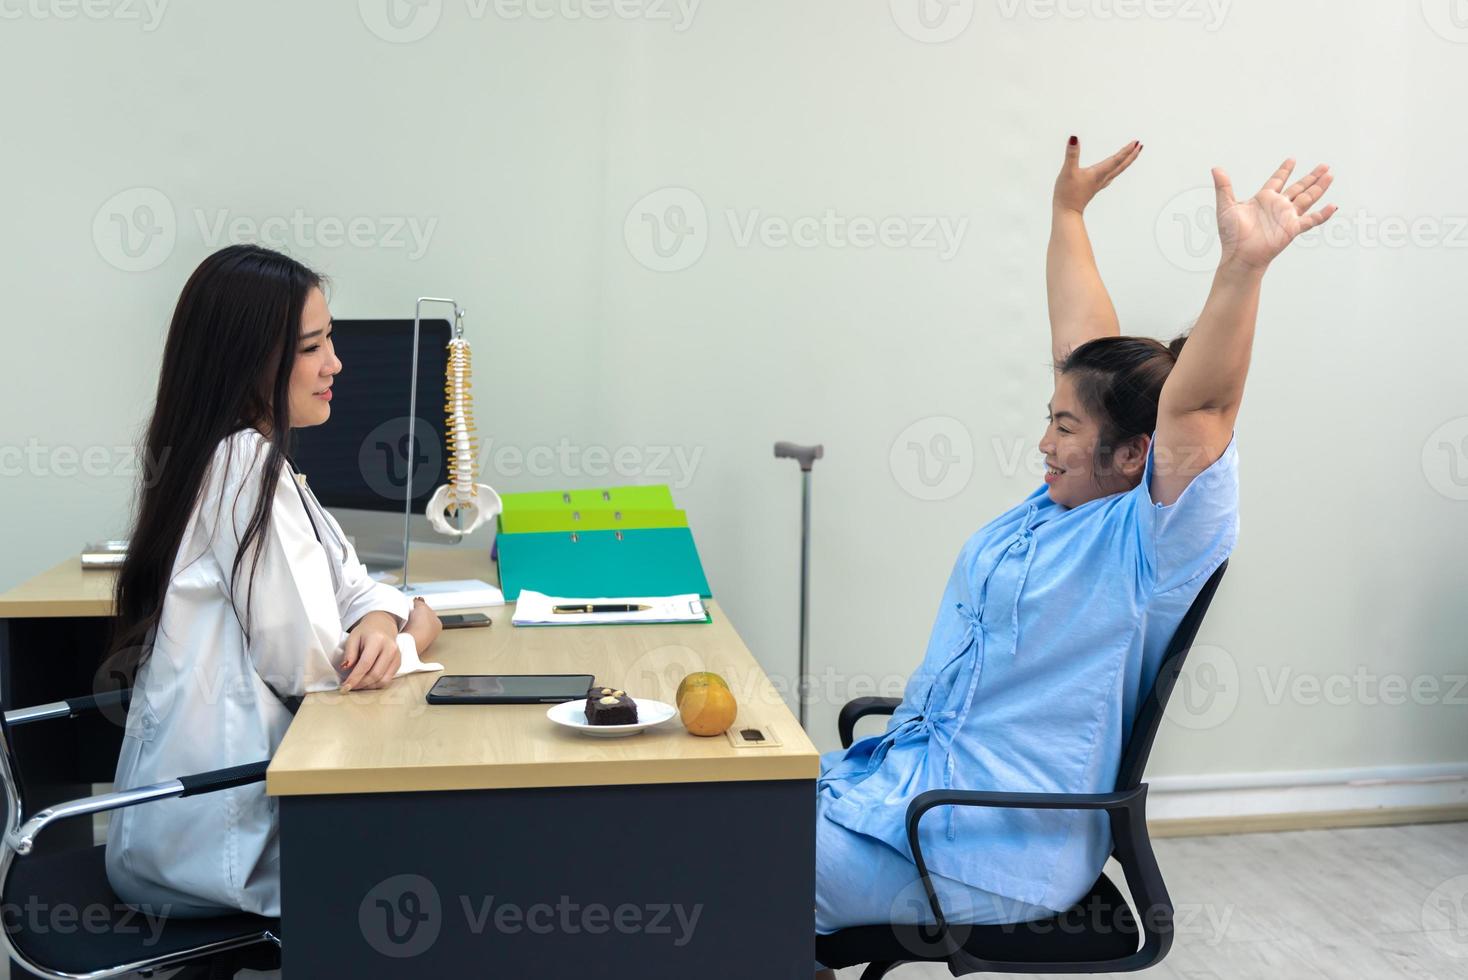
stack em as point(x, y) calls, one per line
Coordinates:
point(472, 503)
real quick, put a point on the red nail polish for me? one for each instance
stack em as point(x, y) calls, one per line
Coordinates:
point(1073, 141)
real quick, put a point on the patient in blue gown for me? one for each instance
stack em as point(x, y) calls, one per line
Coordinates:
point(1057, 612)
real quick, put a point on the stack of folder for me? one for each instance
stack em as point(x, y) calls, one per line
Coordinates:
point(615, 541)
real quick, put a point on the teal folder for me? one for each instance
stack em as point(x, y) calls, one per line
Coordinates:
point(593, 564)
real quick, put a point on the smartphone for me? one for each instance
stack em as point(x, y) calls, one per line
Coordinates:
point(454, 621)
point(509, 688)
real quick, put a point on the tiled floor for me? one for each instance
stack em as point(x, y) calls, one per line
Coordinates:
point(1362, 904)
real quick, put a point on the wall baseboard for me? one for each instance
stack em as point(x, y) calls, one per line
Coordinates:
point(1182, 806)
point(1320, 820)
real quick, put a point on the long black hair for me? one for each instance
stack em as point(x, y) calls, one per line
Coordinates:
point(226, 366)
point(1119, 382)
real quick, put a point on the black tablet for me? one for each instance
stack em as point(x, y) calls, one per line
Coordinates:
point(509, 688)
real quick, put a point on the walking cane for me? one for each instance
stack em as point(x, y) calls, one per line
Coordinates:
point(806, 456)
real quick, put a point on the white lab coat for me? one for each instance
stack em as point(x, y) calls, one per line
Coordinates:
point(208, 699)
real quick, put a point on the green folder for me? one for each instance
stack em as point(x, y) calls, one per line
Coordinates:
point(594, 564)
point(531, 521)
point(656, 497)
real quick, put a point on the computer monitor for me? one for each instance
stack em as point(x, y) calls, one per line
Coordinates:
point(358, 459)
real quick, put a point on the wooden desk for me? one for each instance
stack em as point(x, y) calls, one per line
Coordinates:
point(422, 840)
point(418, 839)
point(415, 746)
point(63, 590)
point(53, 636)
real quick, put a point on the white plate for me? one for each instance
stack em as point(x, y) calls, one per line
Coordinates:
point(572, 714)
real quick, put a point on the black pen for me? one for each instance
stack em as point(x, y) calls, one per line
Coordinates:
point(618, 607)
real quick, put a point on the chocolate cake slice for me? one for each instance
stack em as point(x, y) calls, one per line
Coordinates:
point(610, 706)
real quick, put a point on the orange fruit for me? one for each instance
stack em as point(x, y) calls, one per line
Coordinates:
point(697, 679)
point(708, 709)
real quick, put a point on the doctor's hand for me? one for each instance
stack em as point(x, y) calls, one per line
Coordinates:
point(1076, 184)
point(372, 656)
point(423, 624)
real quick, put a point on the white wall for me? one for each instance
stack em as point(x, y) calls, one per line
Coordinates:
point(527, 146)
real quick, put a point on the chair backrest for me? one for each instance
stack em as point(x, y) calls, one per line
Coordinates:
point(1149, 715)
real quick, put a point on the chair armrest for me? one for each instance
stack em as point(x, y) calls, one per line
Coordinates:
point(1132, 846)
point(24, 838)
point(69, 708)
point(857, 709)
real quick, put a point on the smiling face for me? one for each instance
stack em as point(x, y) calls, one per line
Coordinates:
point(316, 365)
point(1069, 447)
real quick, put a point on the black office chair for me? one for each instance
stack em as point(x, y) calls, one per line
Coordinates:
point(100, 936)
point(1096, 935)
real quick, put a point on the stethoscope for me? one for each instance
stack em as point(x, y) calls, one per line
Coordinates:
point(299, 479)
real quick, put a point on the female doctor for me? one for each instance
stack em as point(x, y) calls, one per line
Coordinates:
point(239, 591)
point(1058, 611)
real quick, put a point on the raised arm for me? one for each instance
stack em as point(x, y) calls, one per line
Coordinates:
point(1080, 309)
point(1200, 401)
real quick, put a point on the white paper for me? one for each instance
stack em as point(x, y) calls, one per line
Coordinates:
point(537, 609)
point(408, 647)
point(458, 594)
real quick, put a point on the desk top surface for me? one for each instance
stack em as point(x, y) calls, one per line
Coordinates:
point(64, 590)
point(393, 741)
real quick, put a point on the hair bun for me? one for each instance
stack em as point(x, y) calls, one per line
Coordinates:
point(1176, 347)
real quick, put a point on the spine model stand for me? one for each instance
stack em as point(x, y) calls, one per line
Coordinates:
point(470, 503)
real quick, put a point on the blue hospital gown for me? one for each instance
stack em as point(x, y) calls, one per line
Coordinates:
point(1052, 627)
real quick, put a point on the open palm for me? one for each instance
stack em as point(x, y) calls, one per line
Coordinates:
point(1076, 185)
point(1256, 230)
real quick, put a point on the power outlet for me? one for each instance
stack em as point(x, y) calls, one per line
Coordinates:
point(752, 736)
